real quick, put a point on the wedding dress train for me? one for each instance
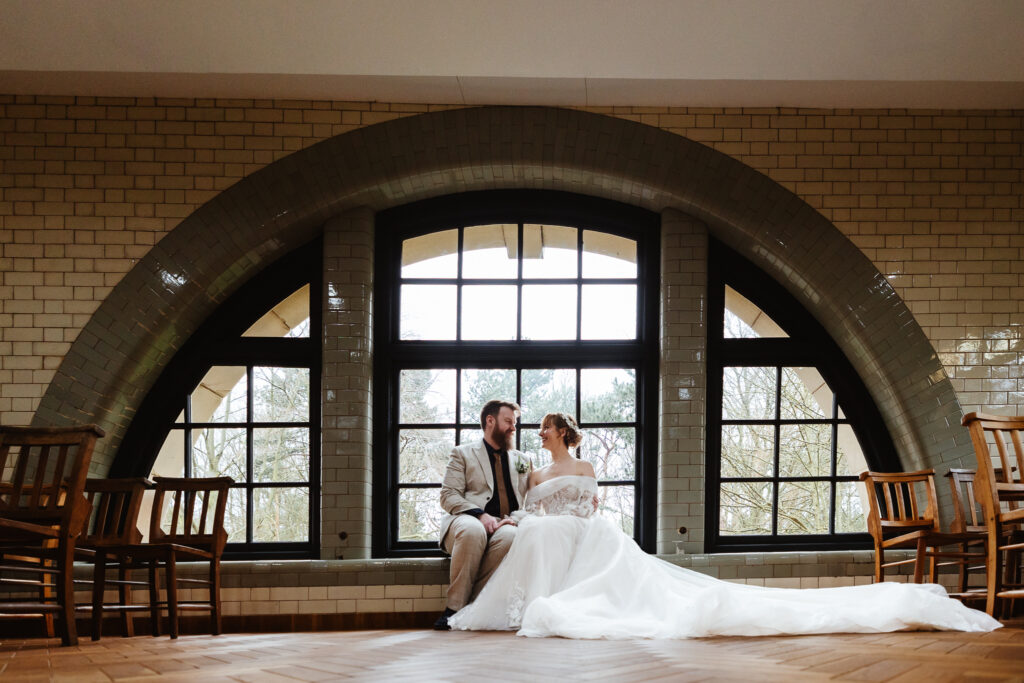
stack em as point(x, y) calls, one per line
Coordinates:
point(576, 575)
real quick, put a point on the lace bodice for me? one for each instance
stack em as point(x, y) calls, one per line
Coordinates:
point(565, 495)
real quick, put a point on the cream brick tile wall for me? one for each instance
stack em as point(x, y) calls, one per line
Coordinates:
point(933, 198)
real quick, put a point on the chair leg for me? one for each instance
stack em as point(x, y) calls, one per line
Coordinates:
point(919, 556)
point(215, 621)
point(124, 592)
point(962, 578)
point(66, 591)
point(993, 572)
point(154, 597)
point(171, 577)
point(99, 581)
point(879, 561)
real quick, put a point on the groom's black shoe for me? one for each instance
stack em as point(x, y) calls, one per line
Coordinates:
point(442, 621)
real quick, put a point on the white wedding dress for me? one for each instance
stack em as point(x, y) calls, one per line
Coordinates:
point(572, 574)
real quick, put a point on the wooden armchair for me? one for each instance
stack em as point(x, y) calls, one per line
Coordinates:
point(42, 512)
point(903, 513)
point(1000, 490)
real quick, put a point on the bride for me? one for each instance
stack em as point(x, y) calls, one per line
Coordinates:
point(573, 574)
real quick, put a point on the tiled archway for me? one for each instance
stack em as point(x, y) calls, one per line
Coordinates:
point(158, 304)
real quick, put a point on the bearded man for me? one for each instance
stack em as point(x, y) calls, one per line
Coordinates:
point(484, 483)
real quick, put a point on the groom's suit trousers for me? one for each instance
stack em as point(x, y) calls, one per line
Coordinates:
point(475, 556)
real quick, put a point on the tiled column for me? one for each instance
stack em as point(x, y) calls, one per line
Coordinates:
point(684, 252)
point(347, 385)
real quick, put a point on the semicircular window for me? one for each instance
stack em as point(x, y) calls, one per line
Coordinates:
point(790, 424)
point(240, 400)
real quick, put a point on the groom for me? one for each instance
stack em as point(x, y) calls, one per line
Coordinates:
point(484, 483)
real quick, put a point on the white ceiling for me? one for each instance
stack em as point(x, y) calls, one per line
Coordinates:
point(834, 53)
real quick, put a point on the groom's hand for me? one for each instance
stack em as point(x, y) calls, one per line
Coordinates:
point(491, 524)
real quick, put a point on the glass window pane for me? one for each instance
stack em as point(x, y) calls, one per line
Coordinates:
point(235, 516)
point(609, 312)
point(419, 514)
point(426, 396)
point(744, 320)
point(433, 255)
point(288, 318)
point(218, 452)
point(618, 504)
point(612, 452)
point(548, 391)
point(549, 251)
point(805, 450)
point(748, 450)
point(850, 506)
point(549, 311)
point(530, 444)
point(805, 395)
point(804, 507)
point(280, 514)
point(489, 312)
point(221, 395)
point(748, 393)
point(470, 436)
point(490, 251)
point(850, 459)
point(280, 454)
point(423, 455)
point(480, 386)
point(280, 394)
point(745, 508)
point(607, 255)
point(428, 312)
point(608, 395)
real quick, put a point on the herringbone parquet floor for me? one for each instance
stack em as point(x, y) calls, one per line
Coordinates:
point(423, 655)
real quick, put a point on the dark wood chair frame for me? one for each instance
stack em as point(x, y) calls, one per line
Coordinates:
point(42, 514)
point(1000, 490)
point(193, 530)
point(904, 523)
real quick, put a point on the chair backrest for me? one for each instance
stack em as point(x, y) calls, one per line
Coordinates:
point(43, 471)
point(999, 449)
point(190, 512)
point(901, 502)
point(114, 511)
point(968, 516)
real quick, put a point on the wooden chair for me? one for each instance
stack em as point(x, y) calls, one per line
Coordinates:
point(903, 513)
point(968, 519)
point(42, 512)
point(1000, 490)
point(191, 527)
point(186, 523)
point(112, 536)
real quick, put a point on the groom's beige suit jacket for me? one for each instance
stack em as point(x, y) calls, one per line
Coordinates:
point(469, 483)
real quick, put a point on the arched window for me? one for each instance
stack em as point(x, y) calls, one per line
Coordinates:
point(241, 399)
point(547, 299)
point(790, 425)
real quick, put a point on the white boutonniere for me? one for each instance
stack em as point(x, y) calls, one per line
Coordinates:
point(523, 465)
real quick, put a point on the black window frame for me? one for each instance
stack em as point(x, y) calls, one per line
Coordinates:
point(808, 345)
point(392, 354)
point(219, 342)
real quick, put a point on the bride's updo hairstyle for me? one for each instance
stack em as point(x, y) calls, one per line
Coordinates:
point(573, 435)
